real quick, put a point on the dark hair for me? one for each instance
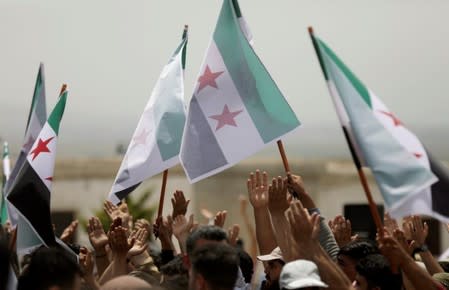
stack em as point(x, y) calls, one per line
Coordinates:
point(211, 233)
point(174, 267)
point(4, 262)
point(359, 249)
point(376, 270)
point(217, 263)
point(246, 265)
point(49, 267)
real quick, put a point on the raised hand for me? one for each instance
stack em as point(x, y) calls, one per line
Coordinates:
point(142, 224)
point(179, 203)
point(342, 230)
point(182, 226)
point(121, 212)
point(85, 261)
point(257, 185)
point(119, 243)
point(399, 236)
point(233, 234)
point(220, 218)
point(97, 236)
point(140, 245)
point(69, 231)
point(295, 186)
point(277, 197)
point(420, 231)
point(304, 227)
point(390, 223)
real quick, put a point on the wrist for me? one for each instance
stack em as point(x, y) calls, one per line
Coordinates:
point(141, 259)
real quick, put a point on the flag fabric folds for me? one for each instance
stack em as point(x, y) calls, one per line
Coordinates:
point(409, 179)
point(155, 144)
point(30, 191)
point(36, 120)
point(236, 108)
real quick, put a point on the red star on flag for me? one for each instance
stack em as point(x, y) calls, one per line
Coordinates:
point(396, 121)
point(49, 178)
point(208, 78)
point(41, 147)
point(417, 155)
point(226, 118)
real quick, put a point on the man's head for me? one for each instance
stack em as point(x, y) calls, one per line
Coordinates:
point(273, 263)
point(214, 266)
point(374, 273)
point(204, 234)
point(301, 274)
point(50, 268)
point(351, 253)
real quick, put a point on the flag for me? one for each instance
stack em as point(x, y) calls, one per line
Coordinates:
point(155, 144)
point(236, 108)
point(409, 179)
point(30, 191)
point(6, 173)
point(36, 120)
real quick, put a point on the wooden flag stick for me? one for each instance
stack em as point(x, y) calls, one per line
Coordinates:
point(63, 88)
point(372, 206)
point(162, 196)
point(283, 156)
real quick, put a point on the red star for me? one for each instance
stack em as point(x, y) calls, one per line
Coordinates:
point(226, 118)
point(208, 78)
point(417, 155)
point(41, 147)
point(396, 121)
point(141, 138)
point(49, 178)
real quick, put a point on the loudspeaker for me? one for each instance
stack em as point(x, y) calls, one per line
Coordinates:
point(361, 221)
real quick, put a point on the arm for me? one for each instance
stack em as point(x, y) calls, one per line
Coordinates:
point(98, 240)
point(258, 195)
point(305, 230)
point(398, 257)
point(249, 227)
point(87, 266)
point(278, 204)
point(295, 185)
point(181, 230)
point(179, 203)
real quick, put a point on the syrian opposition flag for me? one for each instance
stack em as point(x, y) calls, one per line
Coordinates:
point(236, 108)
point(36, 120)
point(406, 173)
point(6, 174)
point(30, 191)
point(155, 144)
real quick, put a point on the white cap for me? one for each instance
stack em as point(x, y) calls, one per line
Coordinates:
point(276, 254)
point(300, 274)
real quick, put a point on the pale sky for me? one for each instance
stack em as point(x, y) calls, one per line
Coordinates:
point(110, 54)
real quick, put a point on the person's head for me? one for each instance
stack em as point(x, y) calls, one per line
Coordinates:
point(301, 274)
point(204, 234)
point(351, 253)
point(273, 263)
point(50, 268)
point(214, 266)
point(374, 273)
point(126, 282)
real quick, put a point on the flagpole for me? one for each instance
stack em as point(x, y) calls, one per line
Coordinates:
point(283, 156)
point(162, 195)
point(363, 180)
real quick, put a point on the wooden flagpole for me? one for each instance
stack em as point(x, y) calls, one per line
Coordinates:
point(283, 156)
point(162, 196)
point(372, 205)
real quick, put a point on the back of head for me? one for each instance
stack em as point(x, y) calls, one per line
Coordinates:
point(359, 249)
point(217, 264)
point(246, 265)
point(209, 233)
point(376, 270)
point(126, 282)
point(49, 267)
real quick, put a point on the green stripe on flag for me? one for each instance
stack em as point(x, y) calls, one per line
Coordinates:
point(263, 100)
point(358, 85)
point(56, 114)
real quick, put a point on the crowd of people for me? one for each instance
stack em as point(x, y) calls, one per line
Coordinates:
point(291, 240)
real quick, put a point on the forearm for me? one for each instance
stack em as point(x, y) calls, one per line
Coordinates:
point(264, 231)
point(418, 277)
point(102, 262)
point(182, 243)
point(283, 236)
point(432, 265)
point(327, 239)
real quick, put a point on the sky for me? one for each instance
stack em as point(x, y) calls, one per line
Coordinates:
point(110, 53)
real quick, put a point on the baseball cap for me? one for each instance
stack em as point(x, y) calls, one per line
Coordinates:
point(300, 274)
point(274, 255)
